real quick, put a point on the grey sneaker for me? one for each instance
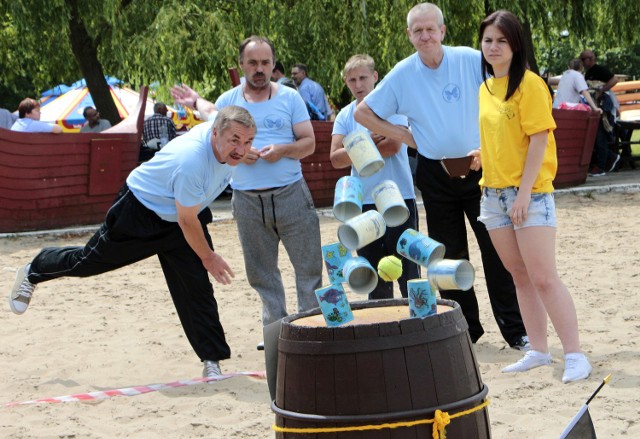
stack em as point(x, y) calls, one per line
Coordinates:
point(211, 369)
point(522, 344)
point(22, 291)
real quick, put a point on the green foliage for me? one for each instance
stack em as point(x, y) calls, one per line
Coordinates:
point(173, 41)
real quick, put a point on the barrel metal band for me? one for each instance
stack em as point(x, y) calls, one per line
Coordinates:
point(377, 417)
point(359, 345)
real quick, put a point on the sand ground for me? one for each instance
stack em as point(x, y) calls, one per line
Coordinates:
point(121, 330)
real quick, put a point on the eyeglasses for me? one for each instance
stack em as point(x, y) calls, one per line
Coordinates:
point(586, 58)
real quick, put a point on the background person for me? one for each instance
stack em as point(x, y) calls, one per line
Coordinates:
point(157, 130)
point(310, 90)
point(29, 119)
point(437, 89)
point(597, 72)
point(604, 159)
point(158, 123)
point(360, 76)
point(572, 87)
point(278, 73)
point(94, 123)
point(516, 127)
point(7, 119)
point(163, 210)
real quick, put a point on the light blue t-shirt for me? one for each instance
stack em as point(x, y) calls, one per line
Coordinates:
point(441, 104)
point(396, 167)
point(313, 92)
point(26, 125)
point(275, 119)
point(185, 170)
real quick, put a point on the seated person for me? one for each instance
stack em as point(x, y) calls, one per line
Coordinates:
point(94, 123)
point(7, 119)
point(158, 129)
point(29, 119)
point(573, 88)
point(604, 159)
point(158, 126)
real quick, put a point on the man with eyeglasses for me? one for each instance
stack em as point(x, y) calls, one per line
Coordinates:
point(94, 123)
point(437, 89)
point(597, 72)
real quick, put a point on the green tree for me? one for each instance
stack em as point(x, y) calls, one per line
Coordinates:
point(174, 41)
point(50, 34)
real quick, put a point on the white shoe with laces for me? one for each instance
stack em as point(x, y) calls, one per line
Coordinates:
point(22, 291)
point(211, 369)
point(576, 367)
point(531, 359)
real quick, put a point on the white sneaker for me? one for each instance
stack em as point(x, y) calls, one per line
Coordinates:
point(576, 367)
point(22, 291)
point(211, 369)
point(530, 360)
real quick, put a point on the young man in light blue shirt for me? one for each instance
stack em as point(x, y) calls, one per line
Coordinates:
point(360, 76)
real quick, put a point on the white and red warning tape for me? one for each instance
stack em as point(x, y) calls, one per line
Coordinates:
point(133, 391)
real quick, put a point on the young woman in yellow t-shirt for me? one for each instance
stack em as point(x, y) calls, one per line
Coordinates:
point(518, 157)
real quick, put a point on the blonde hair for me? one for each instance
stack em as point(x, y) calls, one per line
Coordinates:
point(425, 8)
point(356, 61)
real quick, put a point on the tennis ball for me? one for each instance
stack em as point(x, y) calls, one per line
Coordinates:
point(389, 268)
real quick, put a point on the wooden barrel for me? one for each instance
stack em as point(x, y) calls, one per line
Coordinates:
point(575, 137)
point(382, 367)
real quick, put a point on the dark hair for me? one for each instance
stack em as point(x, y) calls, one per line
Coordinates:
point(289, 83)
point(575, 64)
point(159, 108)
point(86, 110)
point(512, 30)
point(302, 67)
point(256, 39)
point(27, 106)
point(279, 67)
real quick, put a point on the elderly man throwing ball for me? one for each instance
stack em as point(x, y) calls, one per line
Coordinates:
point(163, 210)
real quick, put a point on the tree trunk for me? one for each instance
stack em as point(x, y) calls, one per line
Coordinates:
point(85, 50)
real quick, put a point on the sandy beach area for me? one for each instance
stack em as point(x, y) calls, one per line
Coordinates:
point(120, 330)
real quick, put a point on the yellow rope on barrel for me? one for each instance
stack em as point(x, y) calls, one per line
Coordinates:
point(440, 421)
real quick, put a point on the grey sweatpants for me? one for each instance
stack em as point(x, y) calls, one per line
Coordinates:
point(265, 218)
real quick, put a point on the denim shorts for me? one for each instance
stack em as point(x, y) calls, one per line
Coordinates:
point(496, 205)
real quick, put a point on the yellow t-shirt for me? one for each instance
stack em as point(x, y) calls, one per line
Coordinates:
point(505, 128)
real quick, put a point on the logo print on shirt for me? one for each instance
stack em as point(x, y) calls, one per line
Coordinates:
point(273, 121)
point(451, 93)
point(507, 111)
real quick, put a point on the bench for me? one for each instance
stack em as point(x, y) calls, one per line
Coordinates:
point(628, 94)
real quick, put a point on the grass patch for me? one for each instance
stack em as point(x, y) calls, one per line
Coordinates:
point(635, 149)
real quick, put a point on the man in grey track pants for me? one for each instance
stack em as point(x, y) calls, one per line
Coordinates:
point(271, 201)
